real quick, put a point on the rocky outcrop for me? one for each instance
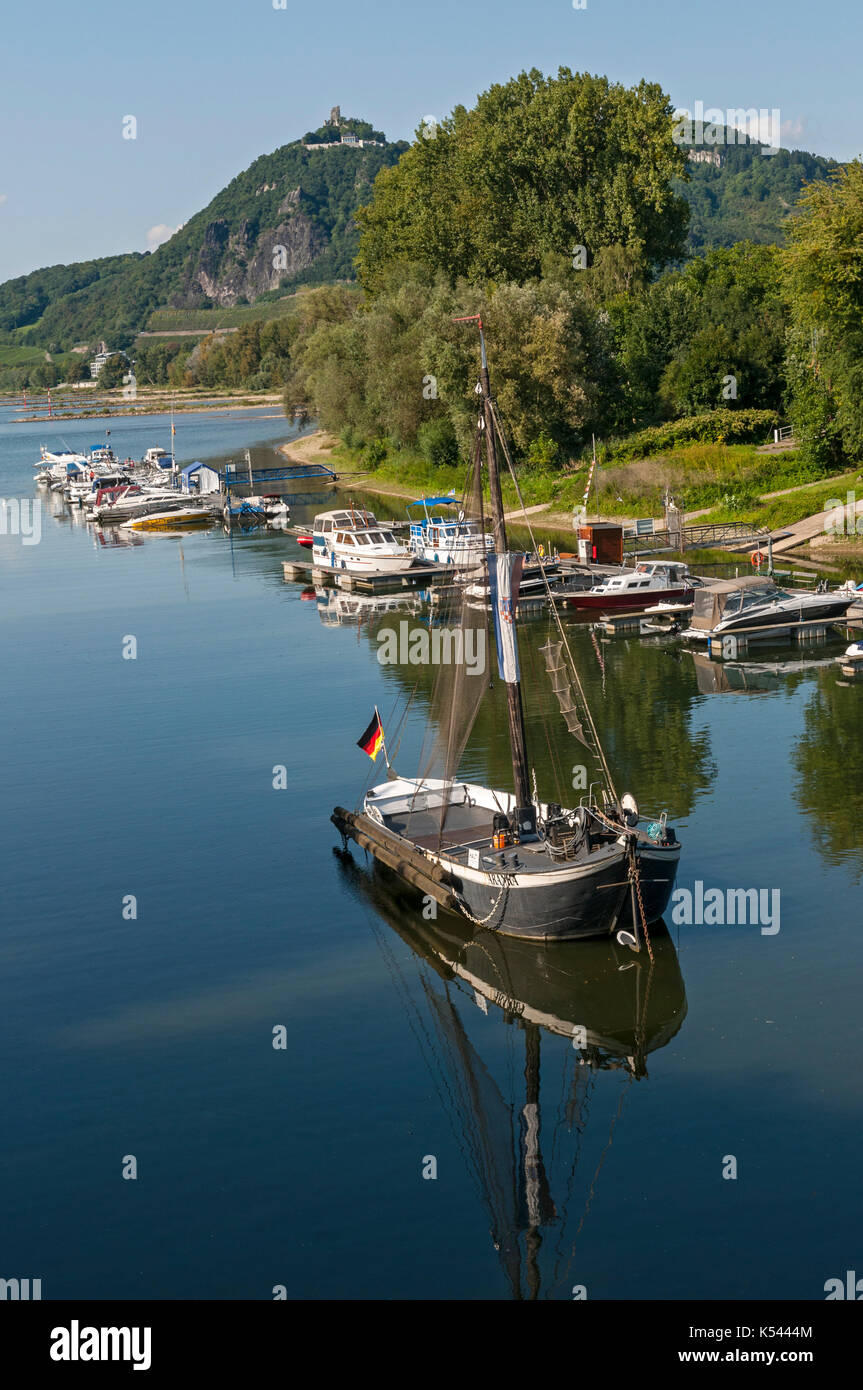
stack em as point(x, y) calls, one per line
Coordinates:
point(248, 262)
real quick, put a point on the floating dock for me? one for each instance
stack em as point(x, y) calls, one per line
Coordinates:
point(435, 577)
point(644, 622)
point(420, 577)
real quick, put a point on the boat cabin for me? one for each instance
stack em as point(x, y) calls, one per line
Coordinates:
point(354, 528)
point(648, 575)
point(447, 538)
point(357, 518)
point(729, 598)
point(100, 481)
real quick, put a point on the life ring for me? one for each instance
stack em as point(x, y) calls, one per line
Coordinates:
point(757, 559)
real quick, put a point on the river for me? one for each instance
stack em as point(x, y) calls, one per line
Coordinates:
point(451, 1115)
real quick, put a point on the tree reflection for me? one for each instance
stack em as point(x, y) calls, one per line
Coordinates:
point(642, 696)
point(828, 759)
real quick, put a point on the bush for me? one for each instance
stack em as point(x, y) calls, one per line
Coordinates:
point(741, 501)
point(437, 443)
point(374, 454)
point(543, 452)
point(715, 426)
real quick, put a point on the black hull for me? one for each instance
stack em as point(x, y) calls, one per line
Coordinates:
point(531, 896)
point(595, 901)
point(560, 910)
point(657, 870)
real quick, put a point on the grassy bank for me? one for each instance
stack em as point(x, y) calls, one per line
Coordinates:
point(726, 481)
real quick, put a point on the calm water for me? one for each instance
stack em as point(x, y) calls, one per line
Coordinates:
point(406, 1040)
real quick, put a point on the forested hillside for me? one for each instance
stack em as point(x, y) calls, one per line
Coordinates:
point(749, 197)
point(681, 283)
point(286, 220)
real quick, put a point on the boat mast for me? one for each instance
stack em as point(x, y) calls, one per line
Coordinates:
point(518, 741)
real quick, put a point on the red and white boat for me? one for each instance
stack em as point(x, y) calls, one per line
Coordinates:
point(649, 583)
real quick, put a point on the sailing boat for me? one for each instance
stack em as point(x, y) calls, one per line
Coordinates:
point(504, 859)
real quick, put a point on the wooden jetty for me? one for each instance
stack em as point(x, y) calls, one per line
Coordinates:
point(417, 578)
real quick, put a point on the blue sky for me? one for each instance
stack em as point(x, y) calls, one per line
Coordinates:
point(215, 83)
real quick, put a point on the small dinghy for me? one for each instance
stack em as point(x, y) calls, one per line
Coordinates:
point(851, 661)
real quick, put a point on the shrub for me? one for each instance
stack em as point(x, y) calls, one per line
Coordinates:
point(374, 454)
point(543, 452)
point(437, 443)
point(715, 426)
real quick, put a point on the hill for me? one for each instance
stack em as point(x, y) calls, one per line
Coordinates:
point(749, 196)
point(287, 220)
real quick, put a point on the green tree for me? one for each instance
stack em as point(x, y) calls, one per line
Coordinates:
point(824, 279)
point(113, 371)
point(539, 165)
point(693, 381)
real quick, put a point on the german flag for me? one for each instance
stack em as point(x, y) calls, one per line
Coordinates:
point(372, 740)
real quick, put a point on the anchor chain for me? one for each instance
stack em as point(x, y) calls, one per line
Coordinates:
point(635, 880)
point(484, 921)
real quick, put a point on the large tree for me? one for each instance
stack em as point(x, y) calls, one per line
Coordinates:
point(539, 165)
point(824, 278)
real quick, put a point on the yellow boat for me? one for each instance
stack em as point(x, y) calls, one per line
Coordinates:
point(171, 521)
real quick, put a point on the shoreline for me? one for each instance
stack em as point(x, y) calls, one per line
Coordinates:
point(144, 412)
point(318, 448)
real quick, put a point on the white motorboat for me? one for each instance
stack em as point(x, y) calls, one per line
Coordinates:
point(276, 510)
point(441, 539)
point(59, 467)
point(355, 541)
point(737, 605)
point(85, 489)
point(136, 502)
point(642, 587)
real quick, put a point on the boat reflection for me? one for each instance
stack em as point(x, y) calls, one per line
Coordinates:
point(749, 677)
point(338, 609)
point(561, 1018)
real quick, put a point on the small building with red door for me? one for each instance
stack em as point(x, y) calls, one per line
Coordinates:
point(600, 543)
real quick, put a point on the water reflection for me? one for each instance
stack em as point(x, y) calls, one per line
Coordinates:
point(749, 677)
point(828, 761)
point(337, 608)
point(519, 1040)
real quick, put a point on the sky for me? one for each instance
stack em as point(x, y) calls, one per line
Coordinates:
point(212, 84)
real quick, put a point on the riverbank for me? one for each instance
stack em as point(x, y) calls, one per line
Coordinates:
point(153, 404)
point(321, 447)
point(622, 492)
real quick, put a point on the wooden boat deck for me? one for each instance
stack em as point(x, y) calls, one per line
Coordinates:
point(464, 825)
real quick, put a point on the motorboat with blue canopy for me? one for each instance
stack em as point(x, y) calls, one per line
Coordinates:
point(446, 539)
